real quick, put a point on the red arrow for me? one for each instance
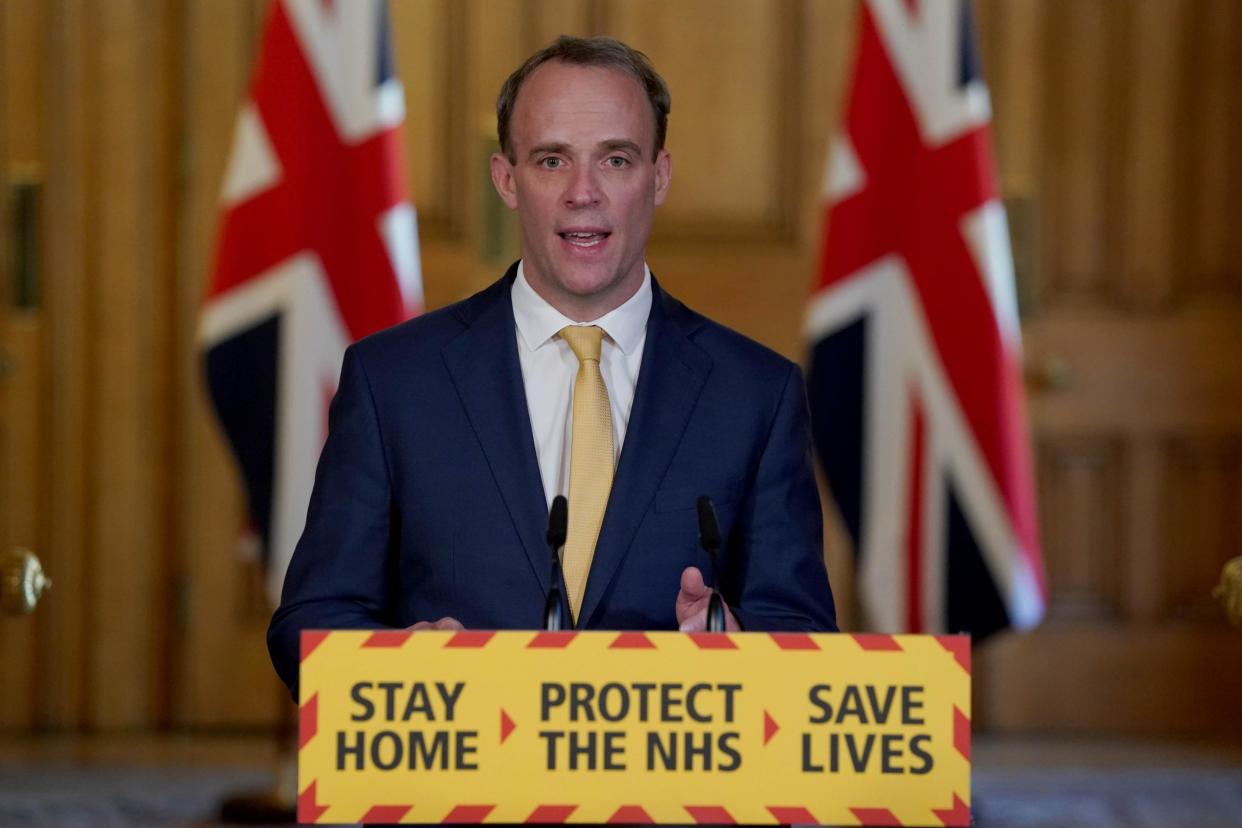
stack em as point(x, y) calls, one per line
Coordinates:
point(769, 727)
point(506, 725)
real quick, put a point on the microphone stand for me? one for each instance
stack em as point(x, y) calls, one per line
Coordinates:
point(709, 539)
point(558, 522)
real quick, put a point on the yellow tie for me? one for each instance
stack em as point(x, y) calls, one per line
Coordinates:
point(590, 461)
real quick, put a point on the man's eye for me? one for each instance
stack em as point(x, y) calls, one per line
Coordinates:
point(617, 162)
point(550, 163)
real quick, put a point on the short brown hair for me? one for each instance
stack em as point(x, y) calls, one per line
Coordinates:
point(587, 51)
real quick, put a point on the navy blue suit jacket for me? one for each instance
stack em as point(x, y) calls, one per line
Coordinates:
point(428, 500)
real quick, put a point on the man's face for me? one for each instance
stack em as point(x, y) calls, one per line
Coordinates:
point(585, 183)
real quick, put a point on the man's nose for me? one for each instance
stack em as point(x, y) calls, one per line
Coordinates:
point(583, 189)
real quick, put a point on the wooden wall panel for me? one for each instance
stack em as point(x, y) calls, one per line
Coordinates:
point(431, 51)
point(1209, 162)
point(734, 143)
point(222, 674)
point(1150, 88)
point(12, 639)
point(829, 31)
point(1115, 123)
point(18, 691)
point(22, 442)
point(1168, 372)
point(1204, 524)
point(545, 20)
point(128, 301)
point(760, 287)
point(1079, 136)
point(22, 435)
point(829, 38)
point(1144, 545)
point(501, 35)
point(1080, 491)
point(17, 636)
point(1010, 34)
point(62, 679)
point(24, 22)
point(1089, 680)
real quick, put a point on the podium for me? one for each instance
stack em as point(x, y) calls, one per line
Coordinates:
point(634, 728)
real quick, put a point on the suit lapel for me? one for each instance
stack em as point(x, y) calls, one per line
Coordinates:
point(483, 363)
point(669, 383)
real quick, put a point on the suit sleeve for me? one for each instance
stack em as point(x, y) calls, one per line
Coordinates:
point(337, 576)
point(782, 583)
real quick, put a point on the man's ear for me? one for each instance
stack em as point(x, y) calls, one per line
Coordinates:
point(502, 180)
point(663, 175)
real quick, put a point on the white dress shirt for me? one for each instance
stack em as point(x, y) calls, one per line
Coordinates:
point(549, 368)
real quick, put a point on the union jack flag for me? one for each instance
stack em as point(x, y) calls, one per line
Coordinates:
point(915, 377)
point(318, 246)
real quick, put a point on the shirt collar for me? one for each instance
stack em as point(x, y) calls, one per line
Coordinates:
point(538, 322)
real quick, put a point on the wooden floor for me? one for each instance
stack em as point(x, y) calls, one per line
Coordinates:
point(181, 780)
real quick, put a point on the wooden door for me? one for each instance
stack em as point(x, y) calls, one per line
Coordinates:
point(1118, 126)
point(21, 359)
point(86, 448)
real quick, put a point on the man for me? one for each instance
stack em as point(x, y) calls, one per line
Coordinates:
point(574, 374)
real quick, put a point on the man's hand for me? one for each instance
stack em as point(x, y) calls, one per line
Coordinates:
point(692, 600)
point(445, 623)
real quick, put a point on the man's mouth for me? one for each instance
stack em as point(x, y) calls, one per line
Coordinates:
point(584, 238)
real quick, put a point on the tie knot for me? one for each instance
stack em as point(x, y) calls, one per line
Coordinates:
point(584, 341)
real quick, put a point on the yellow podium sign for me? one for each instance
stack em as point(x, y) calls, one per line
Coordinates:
point(634, 728)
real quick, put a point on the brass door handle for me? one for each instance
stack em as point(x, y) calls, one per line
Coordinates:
point(22, 582)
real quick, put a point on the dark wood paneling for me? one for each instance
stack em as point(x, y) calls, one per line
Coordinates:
point(1204, 524)
point(1087, 679)
point(1078, 164)
point(1147, 81)
point(1208, 163)
point(1011, 38)
point(735, 142)
point(221, 634)
point(430, 40)
point(62, 677)
point(1117, 122)
point(132, 129)
point(545, 20)
point(1168, 372)
point(1080, 492)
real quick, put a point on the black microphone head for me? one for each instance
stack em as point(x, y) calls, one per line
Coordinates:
point(709, 529)
point(558, 522)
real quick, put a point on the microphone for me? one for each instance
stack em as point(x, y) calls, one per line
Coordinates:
point(709, 539)
point(558, 523)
